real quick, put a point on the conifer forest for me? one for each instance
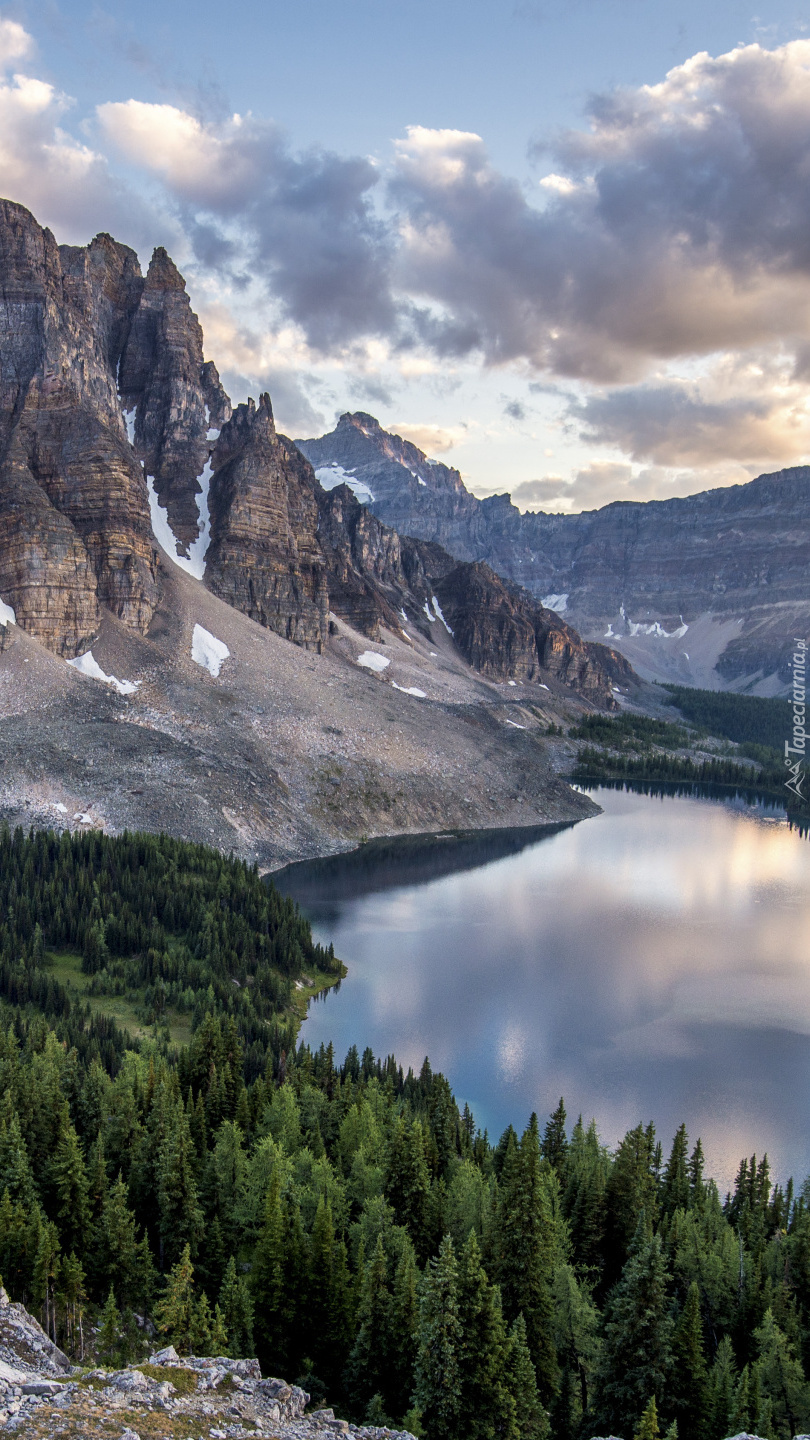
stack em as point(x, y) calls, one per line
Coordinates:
point(170, 1153)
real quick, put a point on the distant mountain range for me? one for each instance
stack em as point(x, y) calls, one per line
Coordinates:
point(706, 590)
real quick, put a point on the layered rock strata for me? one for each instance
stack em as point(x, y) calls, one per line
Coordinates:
point(377, 577)
point(264, 556)
point(76, 531)
point(178, 400)
point(739, 553)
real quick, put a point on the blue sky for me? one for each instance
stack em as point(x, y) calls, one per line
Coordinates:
point(559, 244)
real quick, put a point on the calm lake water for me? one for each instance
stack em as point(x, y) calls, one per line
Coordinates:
point(652, 963)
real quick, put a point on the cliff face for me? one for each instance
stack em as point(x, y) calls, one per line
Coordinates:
point(179, 402)
point(378, 577)
point(75, 530)
point(264, 557)
point(632, 572)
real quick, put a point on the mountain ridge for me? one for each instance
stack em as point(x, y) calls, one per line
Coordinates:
point(728, 563)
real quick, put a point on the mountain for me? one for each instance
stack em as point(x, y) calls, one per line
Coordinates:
point(239, 702)
point(708, 590)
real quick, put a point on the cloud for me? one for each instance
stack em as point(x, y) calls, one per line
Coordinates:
point(680, 227)
point(515, 410)
point(305, 222)
point(433, 439)
point(15, 43)
point(603, 482)
point(754, 413)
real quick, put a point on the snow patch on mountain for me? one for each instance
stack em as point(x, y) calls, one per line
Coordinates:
point(208, 651)
point(370, 660)
point(330, 476)
point(87, 664)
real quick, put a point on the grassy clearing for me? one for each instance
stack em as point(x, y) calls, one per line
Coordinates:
point(66, 967)
point(313, 983)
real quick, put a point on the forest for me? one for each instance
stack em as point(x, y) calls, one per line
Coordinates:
point(347, 1222)
point(724, 732)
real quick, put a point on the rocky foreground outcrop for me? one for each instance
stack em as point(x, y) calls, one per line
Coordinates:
point(640, 571)
point(105, 392)
point(42, 1394)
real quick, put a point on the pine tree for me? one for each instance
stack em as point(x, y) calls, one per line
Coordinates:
point(487, 1406)
point(405, 1331)
point(531, 1420)
point(523, 1247)
point(267, 1279)
point(175, 1310)
point(236, 1308)
point(583, 1200)
point(199, 1332)
point(723, 1381)
point(555, 1141)
point(636, 1355)
point(631, 1189)
point(438, 1374)
point(69, 1181)
point(647, 1427)
point(688, 1391)
point(675, 1190)
point(74, 1299)
point(369, 1369)
point(109, 1343)
point(407, 1183)
point(781, 1381)
point(180, 1216)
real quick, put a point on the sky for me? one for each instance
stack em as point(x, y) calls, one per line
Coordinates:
point(563, 245)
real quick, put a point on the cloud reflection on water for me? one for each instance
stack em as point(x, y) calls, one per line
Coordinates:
point(651, 963)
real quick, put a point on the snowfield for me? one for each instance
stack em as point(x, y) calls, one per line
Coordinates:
point(330, 476)
point(87, 664)
point(370, 660)
point(208, 651)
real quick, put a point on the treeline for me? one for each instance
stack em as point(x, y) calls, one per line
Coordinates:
point(741, 718)
point(592, 763)
point(630, 732)
point(177, 926)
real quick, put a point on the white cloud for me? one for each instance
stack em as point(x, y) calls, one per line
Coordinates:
point(15, 43)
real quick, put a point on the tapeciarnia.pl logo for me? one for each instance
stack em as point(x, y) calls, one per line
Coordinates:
point(798, 748)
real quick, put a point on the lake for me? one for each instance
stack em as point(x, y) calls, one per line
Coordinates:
point(652, 963)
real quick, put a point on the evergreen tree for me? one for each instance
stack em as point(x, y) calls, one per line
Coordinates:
point(236, 1308)
point(199, 1330)
point(109, 1343)
point(723, 1382)
point(487, 1406)
point(523, 1246)
point(637, 1333)
point(647, 1427)
point(180, 1216)
point(174, 1311)
point(438, 1373)
point(531, 1420)
point(555, 1141)
point(781, 1381)
point(370, 1367)
point(69, 1181)
point(688, 1391)
point(675, 1190)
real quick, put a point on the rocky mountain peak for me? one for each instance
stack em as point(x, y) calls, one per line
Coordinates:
point(163, 274)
